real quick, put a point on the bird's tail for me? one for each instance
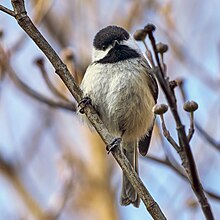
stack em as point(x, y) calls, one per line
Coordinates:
point(128, 194)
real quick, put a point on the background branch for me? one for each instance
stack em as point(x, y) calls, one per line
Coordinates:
point(178, 171)
point(207, 137)
point(10, 173)
point(204, 134)
point(34, 94)
point(40, 63)
point(185, 153)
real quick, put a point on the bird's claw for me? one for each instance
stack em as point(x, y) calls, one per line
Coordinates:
point(83, 103)
point(115, 143)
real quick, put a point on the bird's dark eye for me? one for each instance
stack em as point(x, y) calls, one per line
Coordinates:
point(104, 47)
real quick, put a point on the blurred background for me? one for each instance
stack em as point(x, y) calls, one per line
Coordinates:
point(51, 165)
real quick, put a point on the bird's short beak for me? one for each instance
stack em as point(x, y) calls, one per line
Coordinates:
point(116, 43)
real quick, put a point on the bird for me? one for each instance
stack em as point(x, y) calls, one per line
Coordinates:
point(123, 90)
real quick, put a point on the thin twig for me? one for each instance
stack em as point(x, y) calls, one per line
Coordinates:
point(167, 135)
point(149, 54)
point(168, 153)
point(7, 10)
point(191, 128)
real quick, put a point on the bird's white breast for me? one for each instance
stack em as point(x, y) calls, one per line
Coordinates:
point(120, 93)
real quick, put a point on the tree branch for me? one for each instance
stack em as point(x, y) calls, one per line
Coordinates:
point(185, 153)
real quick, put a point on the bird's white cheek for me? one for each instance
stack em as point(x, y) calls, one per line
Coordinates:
point(99, 54)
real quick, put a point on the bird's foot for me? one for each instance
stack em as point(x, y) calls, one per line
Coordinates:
point(83, 103)
point(115, 143)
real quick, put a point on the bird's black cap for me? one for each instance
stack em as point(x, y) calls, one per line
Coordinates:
point(108, 35)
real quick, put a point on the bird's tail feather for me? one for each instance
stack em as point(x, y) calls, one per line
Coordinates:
point(128, 194)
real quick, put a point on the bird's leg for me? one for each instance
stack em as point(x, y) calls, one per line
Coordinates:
point(83, 103)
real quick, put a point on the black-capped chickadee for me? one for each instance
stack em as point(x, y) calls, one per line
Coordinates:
point(123, 91)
